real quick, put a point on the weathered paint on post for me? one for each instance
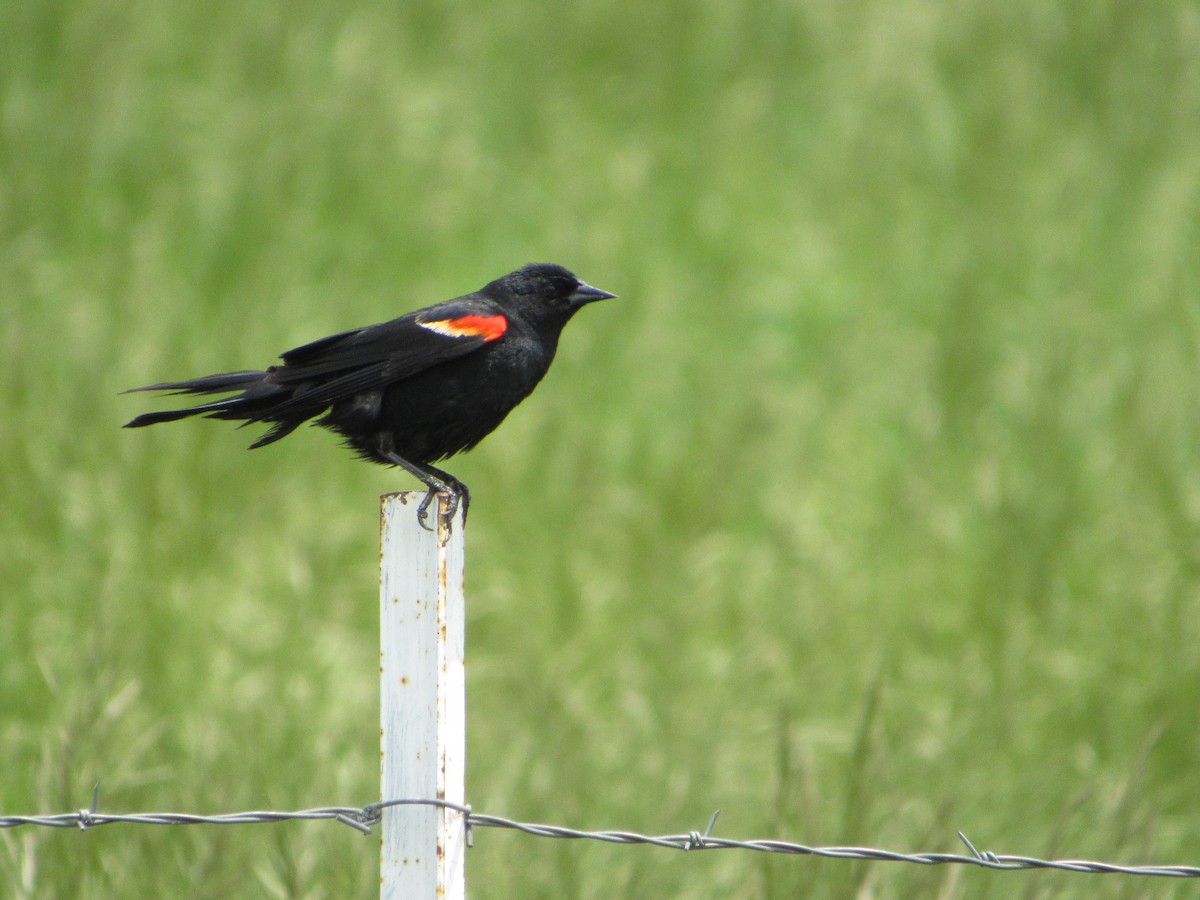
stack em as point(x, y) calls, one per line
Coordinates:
point(422, 684)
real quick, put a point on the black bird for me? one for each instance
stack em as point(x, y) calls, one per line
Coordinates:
point(412, 391)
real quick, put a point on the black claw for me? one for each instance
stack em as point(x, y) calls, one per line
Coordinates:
point(423, 509)
point(459, 496)
point(456, 495)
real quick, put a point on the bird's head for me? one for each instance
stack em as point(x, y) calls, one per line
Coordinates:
point(540, 290)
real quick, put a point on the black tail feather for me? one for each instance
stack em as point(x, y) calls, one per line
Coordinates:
point(209, 384)
point(251, 404)
point(233, 408)
point(278, 430)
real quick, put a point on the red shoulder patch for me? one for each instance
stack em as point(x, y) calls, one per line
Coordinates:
point(487, 327)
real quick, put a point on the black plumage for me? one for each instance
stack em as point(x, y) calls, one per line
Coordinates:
point(412, 391)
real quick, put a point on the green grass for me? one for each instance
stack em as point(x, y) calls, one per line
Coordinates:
point(871, 512)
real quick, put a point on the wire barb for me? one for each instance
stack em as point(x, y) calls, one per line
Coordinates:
point(712, 823)
point(698, 841)
point(987, 856)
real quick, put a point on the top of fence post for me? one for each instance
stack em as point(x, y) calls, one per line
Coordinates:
point(422, 700)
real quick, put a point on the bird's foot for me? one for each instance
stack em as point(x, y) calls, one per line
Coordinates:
point(456, 495)
point(436, 482)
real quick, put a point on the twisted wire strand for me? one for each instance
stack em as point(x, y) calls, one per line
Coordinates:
point(365, 817)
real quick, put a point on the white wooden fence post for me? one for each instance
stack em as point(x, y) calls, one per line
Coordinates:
point(422, 686)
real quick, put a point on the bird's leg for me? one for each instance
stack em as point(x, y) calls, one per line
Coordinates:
point(436, 481)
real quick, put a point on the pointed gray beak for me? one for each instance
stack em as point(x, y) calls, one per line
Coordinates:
point(585, 293)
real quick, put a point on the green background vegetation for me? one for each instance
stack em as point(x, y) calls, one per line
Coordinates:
point(870, 512)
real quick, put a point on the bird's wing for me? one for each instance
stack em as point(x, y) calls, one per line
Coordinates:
point(367, 359)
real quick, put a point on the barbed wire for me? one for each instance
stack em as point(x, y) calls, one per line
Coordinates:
point(365, 817)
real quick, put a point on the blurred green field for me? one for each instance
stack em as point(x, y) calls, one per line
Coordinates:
point(869, 513)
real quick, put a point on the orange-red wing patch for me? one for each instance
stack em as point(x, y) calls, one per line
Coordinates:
point(487, 327)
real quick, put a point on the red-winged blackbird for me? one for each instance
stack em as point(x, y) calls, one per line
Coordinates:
point(412, 391)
